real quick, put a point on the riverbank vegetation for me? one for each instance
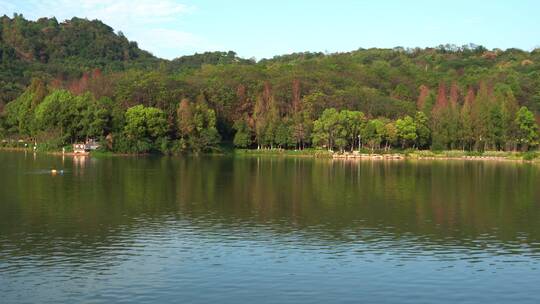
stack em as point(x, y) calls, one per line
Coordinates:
point(70, 81)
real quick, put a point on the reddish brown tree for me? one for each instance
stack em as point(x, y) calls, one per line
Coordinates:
point(422, 97)
point(454, 94)
point(267, 92)
point(442, 100)
point(296, 100)
point(243, 104)
point(96, 73)
point(241, 93)
point(469, 98)
point(79, 86)
point(56, 83)
point(184, 118)
point(102, 85)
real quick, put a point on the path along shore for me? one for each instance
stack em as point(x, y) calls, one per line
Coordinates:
point(398, 156)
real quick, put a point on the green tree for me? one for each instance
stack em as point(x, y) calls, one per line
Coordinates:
point(145, 129)
point(206, 134)
point(328, 130)
point(508, 107)
point(390, 134)
point(495, 135)
point(373, 133)
point(243, 136)
point(467, 132)
point(302, 124)
point(527, 129)
point(423, 133)
point(58, 112)
point(196, 124)
point(93, 116)
point(20, 113)
point(406, 131)
point(353, 123)
point(480, 114)
point(445, 120)
point(283, 137)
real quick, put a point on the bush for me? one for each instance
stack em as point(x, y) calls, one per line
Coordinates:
point(530, 155)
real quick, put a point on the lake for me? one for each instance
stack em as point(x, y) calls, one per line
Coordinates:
point(267, 230)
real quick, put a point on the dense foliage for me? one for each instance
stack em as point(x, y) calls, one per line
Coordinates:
point(84, 81)
point(61, 51)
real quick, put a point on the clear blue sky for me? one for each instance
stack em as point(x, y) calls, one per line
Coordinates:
point(171, 28)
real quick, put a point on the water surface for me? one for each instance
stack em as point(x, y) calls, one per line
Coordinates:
point(267, 230)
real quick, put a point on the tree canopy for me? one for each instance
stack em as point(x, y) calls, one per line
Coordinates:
point(78, 79)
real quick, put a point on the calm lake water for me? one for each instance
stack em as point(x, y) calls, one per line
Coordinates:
point(267, 230)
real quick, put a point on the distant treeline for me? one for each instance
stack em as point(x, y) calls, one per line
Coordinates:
point(65, 82)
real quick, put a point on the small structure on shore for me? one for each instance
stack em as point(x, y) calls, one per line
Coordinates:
point(92, 144)
point(85, 148)
point(80, 149)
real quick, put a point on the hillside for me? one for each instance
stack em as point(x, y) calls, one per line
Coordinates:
point(213, 58)
point(47, 48)
point(81, 65)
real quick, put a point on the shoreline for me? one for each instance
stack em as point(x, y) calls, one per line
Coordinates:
point(534, 157)
point(71, 154)
point(442, 157)
point(530, 157)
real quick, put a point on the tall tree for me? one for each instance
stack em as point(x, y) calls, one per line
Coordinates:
point(527, 129)
point(328, 130)
point(243, 135)
point(467, 133)
point(423, 132)
point(353, 122)
point(509, 107)
point(406, 131)
point(145, 130)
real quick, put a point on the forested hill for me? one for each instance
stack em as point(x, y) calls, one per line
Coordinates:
point(48, 48)
point(198, 60)
point(99, 82)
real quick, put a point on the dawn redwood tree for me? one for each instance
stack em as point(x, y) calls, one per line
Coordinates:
point(480, 115)
point(423, 132)
point(266, 117)
point(184, 119)
point(196, 124)
point(441, 118)
point(283, 135)
point(243, 134)
point(302, 123)
point(206, 135)
point(467, 133)
point(509, 108)
point(422, 97)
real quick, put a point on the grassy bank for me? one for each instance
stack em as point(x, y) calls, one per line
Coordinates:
point(282, 152)
point(426, 154)
point(406, 154)
point(533, 156)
